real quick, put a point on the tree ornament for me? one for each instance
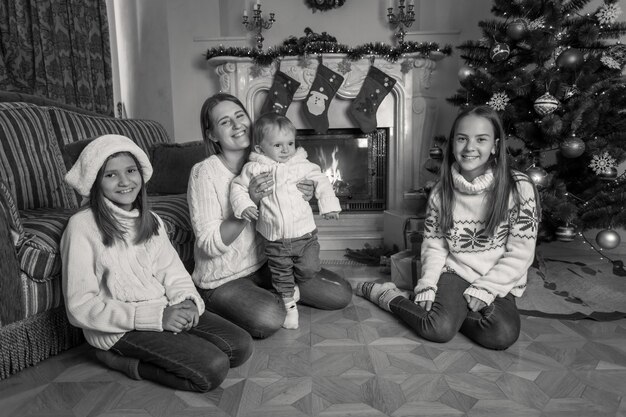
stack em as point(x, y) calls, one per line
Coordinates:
point(608, 14)
point(537, 24)
point(517, 29)
point(570, 91)
point(570, 59)
point(565, 233)
point(499, 101)
point(608, 174)
point(572, 147)
point(608, 239)
point(538, 175)
point(546, 104)
point(465, 72)
point(435, 152)
point(601, 163)
point(615, 56)
point(499, 52)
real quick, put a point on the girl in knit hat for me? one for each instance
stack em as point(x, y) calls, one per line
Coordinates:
point(479, 241)
point(125, 285)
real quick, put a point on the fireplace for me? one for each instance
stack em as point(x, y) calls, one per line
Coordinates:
point(355, 164)
point(378, 205)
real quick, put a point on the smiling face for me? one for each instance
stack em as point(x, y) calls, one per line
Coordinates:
point(473, 144)
point(278, 145)
point(121, 181)
point(231, 126)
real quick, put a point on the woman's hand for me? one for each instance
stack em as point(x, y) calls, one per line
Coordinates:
point(307, 188)
point(260, 186)
point(474, 303)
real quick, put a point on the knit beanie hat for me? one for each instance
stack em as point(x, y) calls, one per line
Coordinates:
point(85, 170)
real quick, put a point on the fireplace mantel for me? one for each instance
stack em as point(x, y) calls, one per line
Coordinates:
point(408, 111)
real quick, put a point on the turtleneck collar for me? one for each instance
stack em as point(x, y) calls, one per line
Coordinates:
point(126, 219)
point(479, 185)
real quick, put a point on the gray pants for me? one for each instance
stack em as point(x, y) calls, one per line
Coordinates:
point(292, 261)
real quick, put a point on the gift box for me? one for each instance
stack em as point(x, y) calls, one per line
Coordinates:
point(406, 269)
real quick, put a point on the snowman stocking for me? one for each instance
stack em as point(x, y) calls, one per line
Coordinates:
point(323, 89)
point(375, 88)
point(280, 95)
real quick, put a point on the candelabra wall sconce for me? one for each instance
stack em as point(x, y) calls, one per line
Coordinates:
point(402, 19)
point(258, 23)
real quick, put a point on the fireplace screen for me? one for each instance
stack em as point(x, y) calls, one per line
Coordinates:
point(354, 162)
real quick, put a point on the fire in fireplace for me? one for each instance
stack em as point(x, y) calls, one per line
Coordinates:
point(355, 163)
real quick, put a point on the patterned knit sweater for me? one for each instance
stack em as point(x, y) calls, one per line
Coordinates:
point(493, 265)
point(284, 214)
point(112, 290)
point(208, 194)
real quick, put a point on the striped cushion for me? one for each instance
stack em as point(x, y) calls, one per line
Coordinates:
point(30, 159)
point(9, 210)
point(39, 253)
point(71, 127)
point(174, 211)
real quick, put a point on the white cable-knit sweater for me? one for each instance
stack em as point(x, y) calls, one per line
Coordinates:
point(208, 195)
point(493, 265)
point(112, 290)
point(284, 214)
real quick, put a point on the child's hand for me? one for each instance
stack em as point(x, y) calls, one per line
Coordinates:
point(250, 213)
point(474, 303)
point(331, 215)
point(176, 319)
point(191, 308)
point(426, 305)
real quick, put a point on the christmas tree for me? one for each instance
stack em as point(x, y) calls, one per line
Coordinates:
point(554, 73)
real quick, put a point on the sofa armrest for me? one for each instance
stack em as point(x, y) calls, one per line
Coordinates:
point(11, 308)
point(10, 214)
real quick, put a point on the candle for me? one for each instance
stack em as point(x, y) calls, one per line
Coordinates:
point(390, 4)
point(245, 13)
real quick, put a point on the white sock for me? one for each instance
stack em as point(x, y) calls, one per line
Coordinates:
point(292, 318)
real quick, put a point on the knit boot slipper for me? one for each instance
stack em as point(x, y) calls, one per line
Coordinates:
point(388, 295)
point(372, 290)
point(292, 318)
point(127, 366)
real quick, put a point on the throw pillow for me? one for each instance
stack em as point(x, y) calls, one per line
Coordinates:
point(72, 151)
point(172, 163)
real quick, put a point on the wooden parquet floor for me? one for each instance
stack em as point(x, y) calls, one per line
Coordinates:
point(358, 362)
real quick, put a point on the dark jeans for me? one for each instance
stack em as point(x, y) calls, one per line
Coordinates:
point(292, 261)
point(249, 303)
point(497, 326)
point(194, 360)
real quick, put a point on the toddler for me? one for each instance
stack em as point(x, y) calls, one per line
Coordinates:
point(284, 218)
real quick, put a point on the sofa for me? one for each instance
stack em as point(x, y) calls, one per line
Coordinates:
point(37, 137)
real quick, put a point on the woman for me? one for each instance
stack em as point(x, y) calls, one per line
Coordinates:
point(231, 271)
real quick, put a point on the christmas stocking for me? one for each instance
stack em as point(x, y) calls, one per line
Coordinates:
point(280, 95)
point(376, 86)
point(323, 89)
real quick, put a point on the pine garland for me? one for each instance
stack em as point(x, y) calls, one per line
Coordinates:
point(388, 52)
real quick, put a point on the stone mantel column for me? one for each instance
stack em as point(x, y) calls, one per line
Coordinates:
point(408, 111)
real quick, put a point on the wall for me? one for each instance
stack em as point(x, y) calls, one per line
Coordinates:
point(143, 58)
point(167, 78)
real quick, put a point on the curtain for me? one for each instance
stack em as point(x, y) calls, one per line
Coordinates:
point(57, 49)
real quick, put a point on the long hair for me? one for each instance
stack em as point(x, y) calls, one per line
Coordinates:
point(147, 225)
point(267, 124)
point(206, 121)
point(497, 198)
